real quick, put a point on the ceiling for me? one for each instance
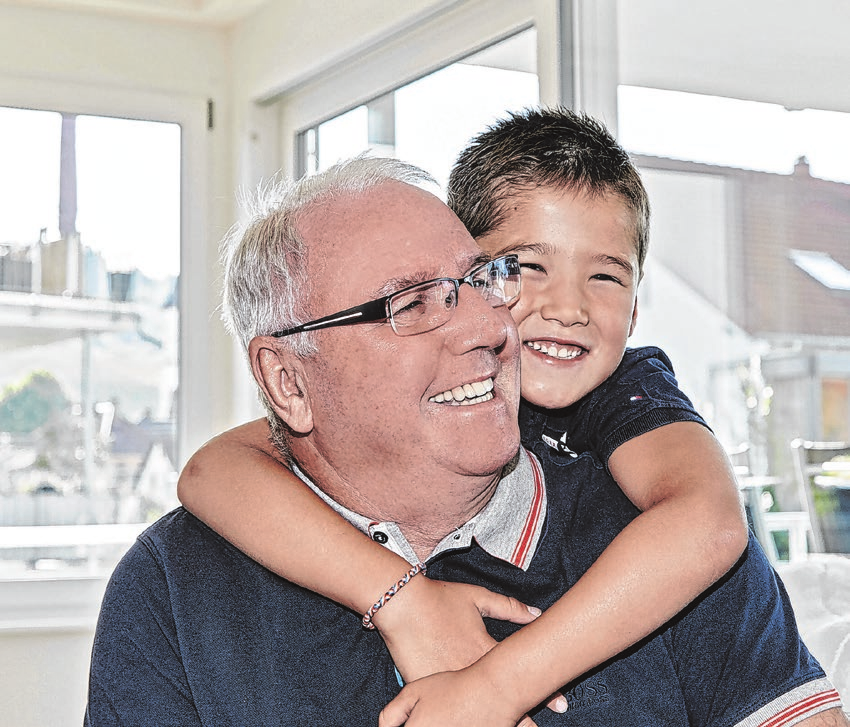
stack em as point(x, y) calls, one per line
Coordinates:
point(776, 51)
point(198, 12)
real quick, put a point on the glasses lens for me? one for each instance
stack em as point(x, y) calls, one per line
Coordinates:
point(498, 281)
point(423, 308)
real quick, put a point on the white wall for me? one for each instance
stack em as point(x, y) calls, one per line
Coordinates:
point(45, 649)
point(777, 51)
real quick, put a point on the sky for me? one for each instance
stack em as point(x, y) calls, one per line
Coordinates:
point(732, 132)
point(128, 194)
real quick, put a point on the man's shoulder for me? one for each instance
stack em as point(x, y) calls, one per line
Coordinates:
point(174, 527)
point(179, 542)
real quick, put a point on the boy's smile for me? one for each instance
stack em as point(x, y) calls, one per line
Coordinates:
point(579, 289)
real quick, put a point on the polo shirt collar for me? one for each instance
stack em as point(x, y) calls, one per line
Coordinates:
point(508, 527)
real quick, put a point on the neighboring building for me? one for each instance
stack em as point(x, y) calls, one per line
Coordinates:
point(748, 287)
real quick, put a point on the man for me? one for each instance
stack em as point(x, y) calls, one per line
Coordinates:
point(193, 632)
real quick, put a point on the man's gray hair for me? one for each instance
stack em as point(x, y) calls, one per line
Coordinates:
point(266, 282)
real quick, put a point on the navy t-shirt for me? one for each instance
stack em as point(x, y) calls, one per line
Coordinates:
point(641, 395)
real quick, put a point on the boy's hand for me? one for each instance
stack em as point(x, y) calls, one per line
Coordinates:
point(431, 626)
point(462, 698)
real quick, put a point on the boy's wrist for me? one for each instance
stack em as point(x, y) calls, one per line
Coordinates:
point(390, 593)
point(492, 677)
point(400, 613)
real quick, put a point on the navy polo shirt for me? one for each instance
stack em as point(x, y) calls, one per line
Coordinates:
point(193, 632)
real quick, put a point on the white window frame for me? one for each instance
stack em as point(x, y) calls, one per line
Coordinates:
point(453, 32)
point(195, 405)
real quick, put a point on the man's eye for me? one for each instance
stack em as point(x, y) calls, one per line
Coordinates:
point(410, 306)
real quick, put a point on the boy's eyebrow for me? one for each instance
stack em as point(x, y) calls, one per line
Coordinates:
point(620, 262)
point(544, 248)
point(539, 248)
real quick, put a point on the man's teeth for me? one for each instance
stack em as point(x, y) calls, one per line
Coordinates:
point(467, 394)
point(555, 351)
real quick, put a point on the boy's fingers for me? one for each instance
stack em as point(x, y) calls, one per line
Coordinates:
point(505, 608)
point(527, 722)
point(396, 712)
point(558, 703)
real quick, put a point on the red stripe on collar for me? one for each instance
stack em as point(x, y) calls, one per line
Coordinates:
point(521, 550)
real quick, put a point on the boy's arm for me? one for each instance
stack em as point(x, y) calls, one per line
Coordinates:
point(691, 531)
point(238, 484)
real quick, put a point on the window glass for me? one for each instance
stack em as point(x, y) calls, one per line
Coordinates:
point(429, 121)
point(740, 129)
point(749, 237)
point(89, 264)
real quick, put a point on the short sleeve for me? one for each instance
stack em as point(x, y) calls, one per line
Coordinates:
point(743, 631)
point(137, 676)
point(641, 395)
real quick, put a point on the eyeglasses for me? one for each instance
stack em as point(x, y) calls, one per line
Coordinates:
point(425, 306)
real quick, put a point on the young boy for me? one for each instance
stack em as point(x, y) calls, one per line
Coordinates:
point(556, 189)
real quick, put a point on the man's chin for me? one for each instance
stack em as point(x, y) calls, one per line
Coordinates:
point(490, 456)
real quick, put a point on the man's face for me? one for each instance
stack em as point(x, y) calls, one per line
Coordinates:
point(374, 394)
point(579, 289)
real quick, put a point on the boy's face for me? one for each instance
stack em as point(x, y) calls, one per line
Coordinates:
point(579, 289)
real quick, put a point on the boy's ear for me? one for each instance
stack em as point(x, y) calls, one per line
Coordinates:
point(280, 374)
point(634, 317)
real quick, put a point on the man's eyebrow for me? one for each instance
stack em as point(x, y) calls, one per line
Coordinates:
point(393, 285)
point(620, 262)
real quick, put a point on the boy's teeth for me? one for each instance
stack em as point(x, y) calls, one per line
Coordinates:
point(474, 393)
point(551, 349)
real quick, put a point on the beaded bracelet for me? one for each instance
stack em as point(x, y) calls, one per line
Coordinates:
point(395, 588)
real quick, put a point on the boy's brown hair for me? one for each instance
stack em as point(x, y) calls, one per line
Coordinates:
point(543, 147)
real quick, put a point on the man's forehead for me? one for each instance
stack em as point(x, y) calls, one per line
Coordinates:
point(385, 238)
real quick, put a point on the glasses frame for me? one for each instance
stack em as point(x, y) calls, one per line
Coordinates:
point(381, 310)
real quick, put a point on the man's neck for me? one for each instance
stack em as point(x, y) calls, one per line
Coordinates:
point(426, 509)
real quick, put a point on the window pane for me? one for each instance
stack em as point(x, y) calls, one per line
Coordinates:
point(740, 129)
point(89, 264)
point(427, 122)
point(749, 237)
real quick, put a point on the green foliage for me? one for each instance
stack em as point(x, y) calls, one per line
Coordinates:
point(826, 501)
point(31, 404)
point(825, 494)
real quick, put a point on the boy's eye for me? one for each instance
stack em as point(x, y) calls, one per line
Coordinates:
point(533, 266)
point(607, 277)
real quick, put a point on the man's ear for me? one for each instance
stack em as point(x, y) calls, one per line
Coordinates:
point(280, 375)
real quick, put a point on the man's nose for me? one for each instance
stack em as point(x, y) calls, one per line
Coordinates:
point(476, 323)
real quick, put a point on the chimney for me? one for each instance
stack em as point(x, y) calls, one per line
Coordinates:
point(68, 177)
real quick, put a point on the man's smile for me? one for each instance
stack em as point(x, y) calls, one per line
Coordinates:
point(476, 392)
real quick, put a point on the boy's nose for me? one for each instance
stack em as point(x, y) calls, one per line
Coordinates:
point(566, 305)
